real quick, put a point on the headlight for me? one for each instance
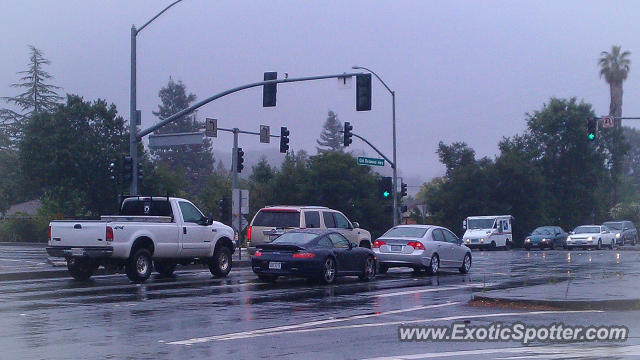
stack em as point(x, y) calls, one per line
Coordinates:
point(590, 238)
point(481, 240)
point(527, 240)
point(468, 241)
point(618, 235)
point(545, 240)
point(568, 238)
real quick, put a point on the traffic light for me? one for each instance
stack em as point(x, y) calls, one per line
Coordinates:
point(347, 133)
point(591, 129)
point(140, 173)
point(363, 92)
point(112, 170)
point(284, 139)
point(269, 91)
point(127, 169)
point(403, 189)
point(239, 160)
point(384, 187)
point(223, 210)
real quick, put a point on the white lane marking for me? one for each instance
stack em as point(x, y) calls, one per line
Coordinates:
point(440, 288)
point(285, 329)
point(268, 331)
point(530, 352)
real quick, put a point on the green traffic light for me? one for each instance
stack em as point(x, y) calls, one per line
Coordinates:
point(386, 194)
point(592, 136)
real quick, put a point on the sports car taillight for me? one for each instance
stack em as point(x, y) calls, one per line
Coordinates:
point(416, 245)
point(109, 233)
point(378, 243)
point(303, 255)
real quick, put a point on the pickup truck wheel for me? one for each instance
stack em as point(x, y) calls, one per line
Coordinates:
point(81, 269)
point(220, 264)
point(139, 266)
point(164, 267)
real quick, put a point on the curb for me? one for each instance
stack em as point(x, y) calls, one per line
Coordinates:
point(617, 304)
point(63, 273)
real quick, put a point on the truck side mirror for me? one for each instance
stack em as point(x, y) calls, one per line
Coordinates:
point(356, 224)
point(210, 219)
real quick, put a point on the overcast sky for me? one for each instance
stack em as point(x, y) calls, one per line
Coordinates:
point(462, 70)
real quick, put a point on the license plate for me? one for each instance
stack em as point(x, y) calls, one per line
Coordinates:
point(474, 240)
point(77, 252)
point(396, 248)
point(275, 265)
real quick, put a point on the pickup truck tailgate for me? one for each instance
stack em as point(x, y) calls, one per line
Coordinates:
point(78, 233)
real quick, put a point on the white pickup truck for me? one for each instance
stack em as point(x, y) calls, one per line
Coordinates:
point(158, 232)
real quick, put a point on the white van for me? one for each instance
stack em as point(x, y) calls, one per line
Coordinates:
point(489, 232)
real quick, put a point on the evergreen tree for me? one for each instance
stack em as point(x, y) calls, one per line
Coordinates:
point(330, 138)
point(38, 96)
point(194, 161)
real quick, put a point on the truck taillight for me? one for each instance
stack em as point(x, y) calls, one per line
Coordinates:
point(109, 233)
point(49, 236)
point(378, 243)
point(249, 233)
point(416, 245)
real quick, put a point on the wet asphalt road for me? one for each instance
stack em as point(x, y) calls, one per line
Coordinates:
point(193, 315)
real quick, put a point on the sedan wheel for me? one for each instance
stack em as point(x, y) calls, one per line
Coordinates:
point(433, 267)
point(466, 264)
point(369, 270)
point(613, 244)
point(329, 271)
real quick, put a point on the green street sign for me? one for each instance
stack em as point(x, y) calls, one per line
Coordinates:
point(370, 161)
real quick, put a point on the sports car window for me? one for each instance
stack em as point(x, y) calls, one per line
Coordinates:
point(339, 241)
point(324, 243)
point(328, 220)
point(312, 219)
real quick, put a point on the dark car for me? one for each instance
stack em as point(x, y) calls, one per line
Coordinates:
point(313, 253)
point(625, 231)
point(549, 237)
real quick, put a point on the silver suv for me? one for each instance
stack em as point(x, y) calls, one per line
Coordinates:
point(272, 221)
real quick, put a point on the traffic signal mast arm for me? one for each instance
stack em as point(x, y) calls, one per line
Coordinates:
point(194, 107)
point(393, 165)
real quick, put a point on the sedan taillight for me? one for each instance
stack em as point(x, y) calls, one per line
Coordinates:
point(257, 253)
point(416, 245)
point(303, 255)
point(378, 243)
point(249, 233)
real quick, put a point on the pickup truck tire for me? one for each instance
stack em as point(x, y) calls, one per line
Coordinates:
point(220, 263)
point(139, 266)
point(164, 267)
point(81, 269)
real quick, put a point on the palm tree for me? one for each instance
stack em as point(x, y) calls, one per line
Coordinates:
point(614, 66)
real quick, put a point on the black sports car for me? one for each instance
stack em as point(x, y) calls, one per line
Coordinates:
point(313, 253)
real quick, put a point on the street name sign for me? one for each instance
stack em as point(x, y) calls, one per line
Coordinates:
point(370, 161)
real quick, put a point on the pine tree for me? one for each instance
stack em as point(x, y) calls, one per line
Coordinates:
point(330, 137)
point(195, 161)
point(38, 96)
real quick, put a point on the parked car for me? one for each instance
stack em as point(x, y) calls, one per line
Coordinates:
point(625, 231)
point(313, 253)
point(591, 236)
point(421, 247)
point(488, 232)
point(272, 221)
point(149, 232)
point(549, 237)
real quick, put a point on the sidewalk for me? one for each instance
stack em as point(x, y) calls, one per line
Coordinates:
point(613, 293)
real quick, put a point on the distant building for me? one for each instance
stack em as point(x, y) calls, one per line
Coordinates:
point(25, 208)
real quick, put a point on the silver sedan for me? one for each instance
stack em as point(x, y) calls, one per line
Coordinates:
point(421, 247)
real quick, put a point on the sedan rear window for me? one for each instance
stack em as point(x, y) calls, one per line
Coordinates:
point(614, 225)
point(413, 232)
point(275, 218)
point(586, 230)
